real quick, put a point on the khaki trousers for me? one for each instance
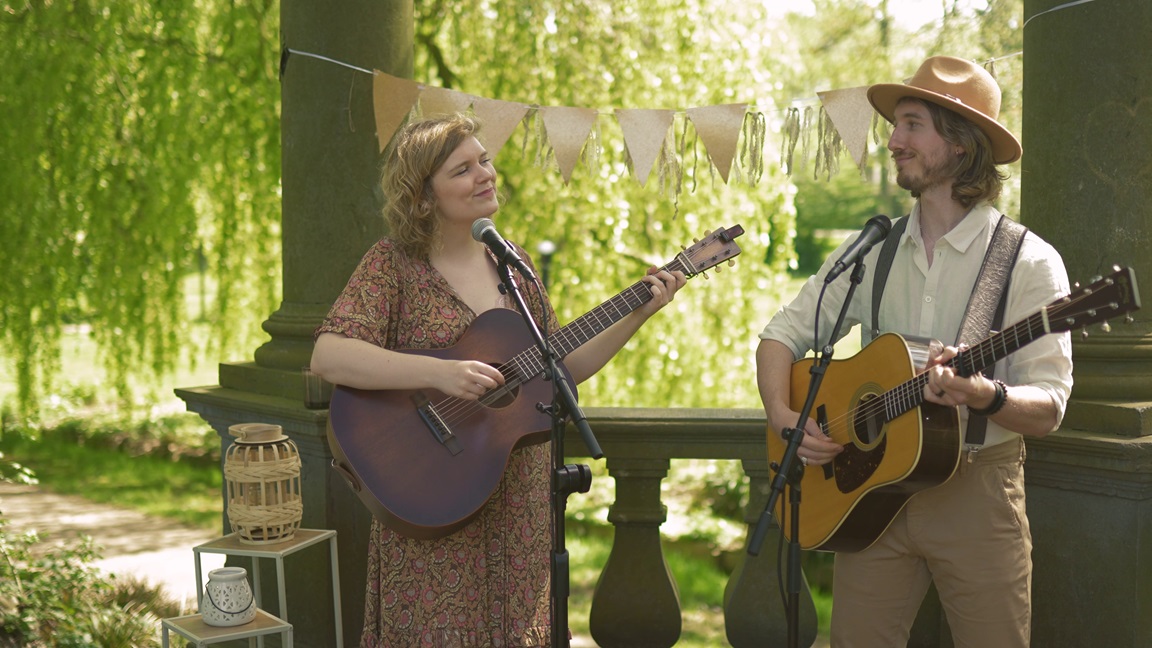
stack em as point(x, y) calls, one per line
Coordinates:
point(970, 536)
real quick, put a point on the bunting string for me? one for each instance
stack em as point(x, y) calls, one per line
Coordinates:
point(660, 140)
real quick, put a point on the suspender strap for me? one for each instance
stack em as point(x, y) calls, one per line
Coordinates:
point(883, 265)
point(986, 305)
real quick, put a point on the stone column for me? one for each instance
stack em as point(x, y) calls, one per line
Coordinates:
point(331, 215)
point(1087, 166)
point(1087, 189)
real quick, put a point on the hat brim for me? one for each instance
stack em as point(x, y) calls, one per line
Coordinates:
point(1006, 148)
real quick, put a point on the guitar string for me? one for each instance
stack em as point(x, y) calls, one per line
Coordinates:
point(528, 367)
point(909, 394)
point(452, 409)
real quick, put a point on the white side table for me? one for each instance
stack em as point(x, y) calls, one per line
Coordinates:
point(303, 538)
point(193, 628)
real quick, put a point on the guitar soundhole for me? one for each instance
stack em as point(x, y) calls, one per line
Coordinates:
point(860, 459)
point(868, 422)
point(505, 394)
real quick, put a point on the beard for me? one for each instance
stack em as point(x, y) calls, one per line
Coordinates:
point(936, 171)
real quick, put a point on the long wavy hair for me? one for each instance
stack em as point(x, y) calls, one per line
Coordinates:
point(417, 151)
point(977, 178)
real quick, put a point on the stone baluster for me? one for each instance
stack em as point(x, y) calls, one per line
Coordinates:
point(754, 613)
point(636, 603)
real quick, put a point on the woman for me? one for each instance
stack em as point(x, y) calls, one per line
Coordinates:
point(420, 288)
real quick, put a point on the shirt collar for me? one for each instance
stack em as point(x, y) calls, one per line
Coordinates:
point(960, 237)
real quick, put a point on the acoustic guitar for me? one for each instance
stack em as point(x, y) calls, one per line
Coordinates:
point(895, 443)
point(425, 463)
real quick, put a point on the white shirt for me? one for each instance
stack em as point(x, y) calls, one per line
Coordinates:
point(930, 301)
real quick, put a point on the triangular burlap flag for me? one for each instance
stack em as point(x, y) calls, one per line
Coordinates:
point(392, 100)
point(567, 128)
point(442, 101)
point(498, 119)
point(852, 115)
point(644, 133)
point(719, 128)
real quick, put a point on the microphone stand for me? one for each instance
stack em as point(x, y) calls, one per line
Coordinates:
point(566, 478)
point(789, 472)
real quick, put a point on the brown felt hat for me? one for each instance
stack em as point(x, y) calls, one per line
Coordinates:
point(960, 86)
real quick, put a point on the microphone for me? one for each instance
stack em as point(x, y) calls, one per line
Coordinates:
point(484, 231)
point(875, 230)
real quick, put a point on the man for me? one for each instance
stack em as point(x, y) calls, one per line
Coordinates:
point(969, 535)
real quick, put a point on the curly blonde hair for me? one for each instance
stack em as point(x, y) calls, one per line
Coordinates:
point(416, 152)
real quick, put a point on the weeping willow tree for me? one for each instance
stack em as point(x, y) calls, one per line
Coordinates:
point(140, 144)
point(607, 227)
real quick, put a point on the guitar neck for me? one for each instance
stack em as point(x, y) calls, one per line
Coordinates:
point(970, 361)
point(589, 325)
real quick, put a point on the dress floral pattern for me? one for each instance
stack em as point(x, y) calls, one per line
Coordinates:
point(487, 584)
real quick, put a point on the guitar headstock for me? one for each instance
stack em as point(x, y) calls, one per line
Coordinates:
point(712, 250)
point(1108, 297)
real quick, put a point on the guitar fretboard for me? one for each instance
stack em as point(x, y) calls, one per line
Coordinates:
point(910, 394)
point(528, 363)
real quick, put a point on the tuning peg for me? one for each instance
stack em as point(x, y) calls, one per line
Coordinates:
point(1084, 333)
point(1106, 327)
point(705, 275)
point(1128, 319)
point(731, 263)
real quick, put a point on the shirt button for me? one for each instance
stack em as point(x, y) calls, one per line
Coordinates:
point(928, 300)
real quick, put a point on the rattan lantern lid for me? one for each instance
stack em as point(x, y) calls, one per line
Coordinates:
point(254, 433)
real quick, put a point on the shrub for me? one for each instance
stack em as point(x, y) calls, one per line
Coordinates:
point(53, 597)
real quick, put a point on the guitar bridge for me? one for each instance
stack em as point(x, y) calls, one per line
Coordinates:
point(435, 424)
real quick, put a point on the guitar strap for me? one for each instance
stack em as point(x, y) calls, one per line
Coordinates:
point(985, 312)
point(986, 304)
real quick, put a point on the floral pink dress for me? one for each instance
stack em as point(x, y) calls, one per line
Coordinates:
point(487, 584)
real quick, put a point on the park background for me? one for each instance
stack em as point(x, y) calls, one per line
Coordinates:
point(141, 227)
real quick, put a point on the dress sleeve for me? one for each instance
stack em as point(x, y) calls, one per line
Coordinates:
point(364, 309)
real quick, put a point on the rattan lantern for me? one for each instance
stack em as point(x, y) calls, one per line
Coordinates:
point(262, 478)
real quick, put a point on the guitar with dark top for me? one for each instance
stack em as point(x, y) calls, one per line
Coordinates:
point(425, 463)
point(895, 443)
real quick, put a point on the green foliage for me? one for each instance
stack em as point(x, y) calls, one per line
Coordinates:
point(139, 139)
point(141, 147)
point(52, 596)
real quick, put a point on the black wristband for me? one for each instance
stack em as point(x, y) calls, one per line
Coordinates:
point(997, 403)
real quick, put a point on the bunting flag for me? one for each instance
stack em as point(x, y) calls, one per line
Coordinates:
point(645, 131)
point(719, 129)
point(442, 101)
point(567, 128)
point(498, 120)
point(844, 120)
point(392, 98)
point(837, 120)
point(851, 114)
